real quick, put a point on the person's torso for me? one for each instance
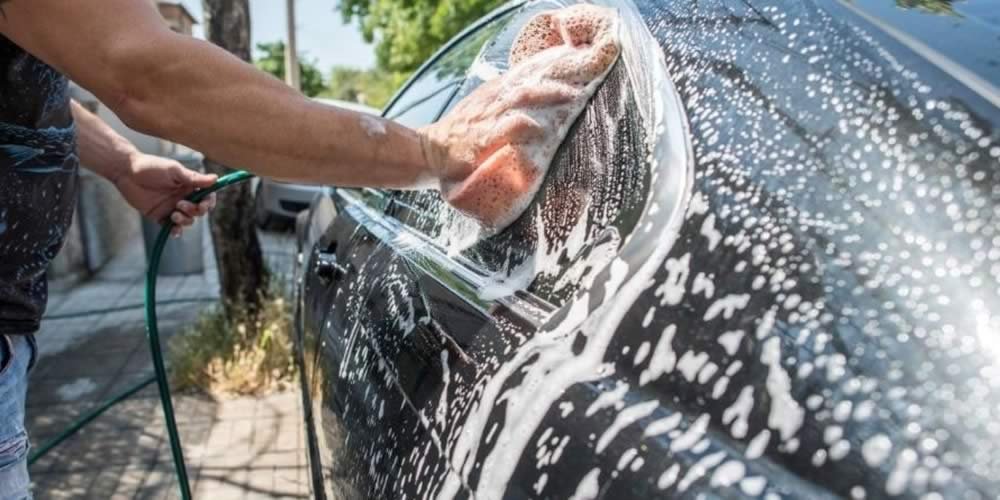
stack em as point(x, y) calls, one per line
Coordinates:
point(38, 182)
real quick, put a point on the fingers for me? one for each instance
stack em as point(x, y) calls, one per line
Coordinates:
point(548, 93)
point(180, 221)
point(193, 179)
point(519, 128)
point(186, 212)
point(192, 210)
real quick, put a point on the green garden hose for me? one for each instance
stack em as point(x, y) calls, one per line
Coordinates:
point(153, 334)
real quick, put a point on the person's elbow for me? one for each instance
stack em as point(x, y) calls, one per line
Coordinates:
point(137, 79)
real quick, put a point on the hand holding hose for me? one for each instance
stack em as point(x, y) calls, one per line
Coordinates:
point(156, 187)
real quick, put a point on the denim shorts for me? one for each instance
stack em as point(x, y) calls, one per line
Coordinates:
point(17, 357)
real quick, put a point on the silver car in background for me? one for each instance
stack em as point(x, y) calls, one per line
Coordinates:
point(278, 203)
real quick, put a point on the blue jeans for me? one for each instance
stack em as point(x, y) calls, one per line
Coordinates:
point(17, 355)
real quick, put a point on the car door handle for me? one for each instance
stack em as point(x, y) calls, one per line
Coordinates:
point(328, 268)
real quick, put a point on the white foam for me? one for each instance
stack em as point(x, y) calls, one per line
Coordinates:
point(372, 125)
point(692, 435)
point(753, 486)
point(663, 360)
point(899, 477)
point(547, 364)
point(484, 70)
point(876, 449)
point(739, 412)
point(730, 341)
point(663, 425)
point(728, 474)
point(727, 306)
point(700, 468)
point(669, 477)
point(588, 487)
point(608, 399)
point(758, 444)
point(786, 416)
point(626, 417)
point(556, 120)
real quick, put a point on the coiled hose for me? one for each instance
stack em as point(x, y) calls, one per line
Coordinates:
point(153, 334)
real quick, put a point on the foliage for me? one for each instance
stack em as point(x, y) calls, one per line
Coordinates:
point(409, 32)
point(932, 6)
point(372, 87)
point(245, 354)
point(272, 60)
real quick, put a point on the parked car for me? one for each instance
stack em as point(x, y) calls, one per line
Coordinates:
point(278, 203)
point(764, 263)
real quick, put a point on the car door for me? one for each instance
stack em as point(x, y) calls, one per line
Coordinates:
point(795, 308)
point(343, 254)
point(424, 318)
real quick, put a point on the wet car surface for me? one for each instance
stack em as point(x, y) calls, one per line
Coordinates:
point(764, 263)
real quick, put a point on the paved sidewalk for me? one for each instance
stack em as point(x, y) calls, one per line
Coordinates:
point(239, 448)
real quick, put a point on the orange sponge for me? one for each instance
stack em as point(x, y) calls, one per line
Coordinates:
point(572, 49)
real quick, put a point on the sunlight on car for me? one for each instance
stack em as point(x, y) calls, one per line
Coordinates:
point(763, 263)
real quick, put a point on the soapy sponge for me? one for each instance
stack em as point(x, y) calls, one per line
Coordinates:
point(573, 48)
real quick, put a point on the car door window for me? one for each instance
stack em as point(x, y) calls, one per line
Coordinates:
point(588, 204)
point(424, 99)
point(421, 102)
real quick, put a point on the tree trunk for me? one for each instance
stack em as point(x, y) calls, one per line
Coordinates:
point(242, 274)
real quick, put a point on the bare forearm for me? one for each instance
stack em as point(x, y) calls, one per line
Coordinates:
point(100, 148)
point(235, 114)
point(191, 92)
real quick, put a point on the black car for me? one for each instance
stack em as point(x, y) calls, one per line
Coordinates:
point(765, 263)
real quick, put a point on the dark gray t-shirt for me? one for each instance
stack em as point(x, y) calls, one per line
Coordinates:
point(38, 182)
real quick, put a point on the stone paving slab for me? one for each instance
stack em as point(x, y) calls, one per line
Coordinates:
point(245, 448)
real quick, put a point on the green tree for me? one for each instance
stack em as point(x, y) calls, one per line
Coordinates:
point(372, 87)
point(272, 60)
point(933, 6)
point(408, 32)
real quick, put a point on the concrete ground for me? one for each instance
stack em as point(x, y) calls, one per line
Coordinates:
point(238, 448)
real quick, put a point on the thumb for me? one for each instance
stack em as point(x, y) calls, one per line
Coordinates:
point(194, 179)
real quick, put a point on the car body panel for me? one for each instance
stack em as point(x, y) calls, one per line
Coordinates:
point(805, 304)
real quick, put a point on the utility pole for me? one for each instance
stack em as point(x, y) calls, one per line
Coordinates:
point(292, 76)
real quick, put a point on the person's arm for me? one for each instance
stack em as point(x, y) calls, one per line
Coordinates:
point(153, 185)
point(191, 92)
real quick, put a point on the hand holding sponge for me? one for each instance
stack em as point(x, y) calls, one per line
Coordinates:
point(500, 140)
